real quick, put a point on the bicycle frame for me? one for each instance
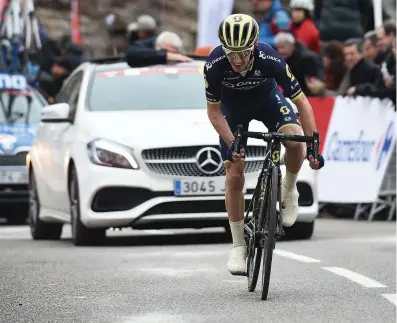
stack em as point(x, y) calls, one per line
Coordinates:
point(272, 159)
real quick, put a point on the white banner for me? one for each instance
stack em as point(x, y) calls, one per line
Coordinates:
point(358, 146)
point(210, 15)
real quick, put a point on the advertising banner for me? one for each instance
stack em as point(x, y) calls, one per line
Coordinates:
point(357, 149)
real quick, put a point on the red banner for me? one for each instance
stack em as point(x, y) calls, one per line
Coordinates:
point(322, 109)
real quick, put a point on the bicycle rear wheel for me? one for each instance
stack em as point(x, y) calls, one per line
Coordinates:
point(270, 227)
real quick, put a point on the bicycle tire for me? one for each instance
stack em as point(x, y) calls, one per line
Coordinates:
point(255, 261)
point(253, 264)
point(271, 224)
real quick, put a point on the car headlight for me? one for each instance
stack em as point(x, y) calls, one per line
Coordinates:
point(106, 153)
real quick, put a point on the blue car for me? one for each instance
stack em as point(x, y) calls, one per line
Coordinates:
point(20, 111)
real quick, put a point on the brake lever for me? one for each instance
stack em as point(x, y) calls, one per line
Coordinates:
point(316, 144)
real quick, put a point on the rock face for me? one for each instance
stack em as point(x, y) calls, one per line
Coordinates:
point(175, 15)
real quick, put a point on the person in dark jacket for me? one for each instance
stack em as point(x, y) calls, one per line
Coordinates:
point(344, 19)
point(165, 48)
point(371, 48)
point(51, 83)
point(385, 84)
point(303, 63)
point(362, 73)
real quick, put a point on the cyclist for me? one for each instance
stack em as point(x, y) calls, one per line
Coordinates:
point(241, 77)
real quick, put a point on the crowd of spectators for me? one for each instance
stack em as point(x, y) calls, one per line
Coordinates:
point(331, 46)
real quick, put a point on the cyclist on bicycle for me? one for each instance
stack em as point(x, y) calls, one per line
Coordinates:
point(241, 77)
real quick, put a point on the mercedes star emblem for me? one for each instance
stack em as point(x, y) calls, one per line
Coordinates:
point(209, 160)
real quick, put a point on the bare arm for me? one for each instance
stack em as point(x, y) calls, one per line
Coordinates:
point(219, 122)
point(306, 113)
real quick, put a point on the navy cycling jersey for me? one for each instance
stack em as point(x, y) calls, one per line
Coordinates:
point(268, 69)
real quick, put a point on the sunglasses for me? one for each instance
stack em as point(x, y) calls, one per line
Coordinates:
point(243, 53)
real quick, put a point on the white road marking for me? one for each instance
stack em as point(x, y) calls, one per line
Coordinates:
point(294, 256)
point(355, 277)
point(177, 272)
point(176, 254)
point(391, 297)
point(6, 230)
point(234, 281)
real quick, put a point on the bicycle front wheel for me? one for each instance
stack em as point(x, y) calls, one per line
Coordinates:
point(270, 231)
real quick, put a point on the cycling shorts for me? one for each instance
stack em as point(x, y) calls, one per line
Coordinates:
point(273, 110)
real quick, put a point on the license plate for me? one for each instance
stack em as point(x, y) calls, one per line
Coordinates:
point(13, 177)
point(200, 186)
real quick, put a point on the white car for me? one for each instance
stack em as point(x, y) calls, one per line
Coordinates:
point(133, 147)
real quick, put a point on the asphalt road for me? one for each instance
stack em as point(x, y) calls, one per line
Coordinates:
point(346, 273)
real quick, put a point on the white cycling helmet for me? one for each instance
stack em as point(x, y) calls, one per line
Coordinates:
point(302, 4)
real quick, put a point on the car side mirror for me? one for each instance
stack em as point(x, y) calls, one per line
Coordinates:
point(56, 113)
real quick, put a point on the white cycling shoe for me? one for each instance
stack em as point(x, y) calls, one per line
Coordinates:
point(290, 200)
point(237, 261)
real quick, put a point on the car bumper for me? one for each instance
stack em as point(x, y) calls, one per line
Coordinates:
point(13, 184)
point(113, 197)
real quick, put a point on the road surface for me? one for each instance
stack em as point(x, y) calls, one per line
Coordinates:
point(346, 273)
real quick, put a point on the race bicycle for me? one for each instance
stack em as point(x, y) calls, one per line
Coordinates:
point(263, 222)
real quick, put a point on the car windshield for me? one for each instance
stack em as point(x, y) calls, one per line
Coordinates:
point(19, 107)
point(148, 89)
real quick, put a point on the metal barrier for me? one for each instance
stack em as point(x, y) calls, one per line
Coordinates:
point(387, 195)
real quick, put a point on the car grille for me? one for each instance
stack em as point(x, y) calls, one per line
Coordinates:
point(181, 161)
point(18, 159)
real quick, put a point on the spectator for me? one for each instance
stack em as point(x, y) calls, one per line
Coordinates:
point(385, 85)
point(272, 18)
point(302, 62)
point(117, 31)
point(302, 27)
point(343, 19)
point(371, 49)
point(334, 72)
point(132, 32)
point(51, 83)
point(165, 48)
point(146, 27)
point(386, 34)
point(361, 72)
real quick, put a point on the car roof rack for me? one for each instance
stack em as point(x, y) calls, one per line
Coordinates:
point(119, 59)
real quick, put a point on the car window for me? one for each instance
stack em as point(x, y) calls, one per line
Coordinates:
point(74, 96)
point(20, 106)
point(148, 89)
point(65, 94)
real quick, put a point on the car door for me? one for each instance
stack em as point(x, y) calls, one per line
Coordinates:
point(66, 138)
point(57, 131)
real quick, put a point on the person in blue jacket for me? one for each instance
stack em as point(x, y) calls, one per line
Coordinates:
point(272, 18)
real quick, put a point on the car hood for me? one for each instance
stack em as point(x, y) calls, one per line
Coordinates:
point(156, 128)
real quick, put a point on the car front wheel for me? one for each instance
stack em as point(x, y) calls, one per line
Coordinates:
point(39, 229)
point(81, 235)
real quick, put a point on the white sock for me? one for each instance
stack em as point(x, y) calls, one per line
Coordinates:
point(237, 229)
point(290, 180)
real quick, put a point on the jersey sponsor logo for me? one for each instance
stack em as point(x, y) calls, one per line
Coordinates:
point(244, 85)
point(209, 64)
point(264, 56)
point(257, 73)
